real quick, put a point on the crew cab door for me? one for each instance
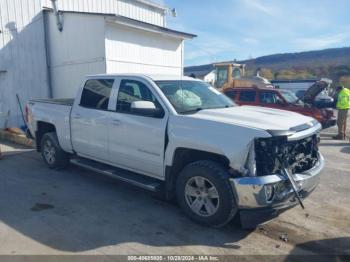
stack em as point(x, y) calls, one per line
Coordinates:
point(136, 142)
point(90, 119)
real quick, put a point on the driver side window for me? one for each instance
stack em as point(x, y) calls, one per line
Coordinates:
point(270, 98)
point(131, 91)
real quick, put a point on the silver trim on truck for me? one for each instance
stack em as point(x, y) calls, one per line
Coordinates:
point(251, 191)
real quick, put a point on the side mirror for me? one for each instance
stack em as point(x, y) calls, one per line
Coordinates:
point(146, 108)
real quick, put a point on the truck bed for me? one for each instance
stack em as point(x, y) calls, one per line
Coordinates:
point(64, 102)
point(53, 112)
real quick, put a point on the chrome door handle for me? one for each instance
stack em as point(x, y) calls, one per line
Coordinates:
point(77, 116)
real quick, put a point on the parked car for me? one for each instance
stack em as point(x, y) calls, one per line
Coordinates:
point(180, 137)
point(300, 86)
point(285, 100)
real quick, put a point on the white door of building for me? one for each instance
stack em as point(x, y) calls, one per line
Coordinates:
point(131, 50)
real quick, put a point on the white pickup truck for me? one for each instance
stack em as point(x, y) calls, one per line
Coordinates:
point(181, 137)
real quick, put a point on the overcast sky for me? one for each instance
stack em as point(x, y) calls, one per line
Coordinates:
point(240, 29)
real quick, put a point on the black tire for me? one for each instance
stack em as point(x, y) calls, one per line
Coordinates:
point(60, 159)
point(215, 175)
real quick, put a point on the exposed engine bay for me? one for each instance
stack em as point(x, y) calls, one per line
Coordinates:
point(299, 156)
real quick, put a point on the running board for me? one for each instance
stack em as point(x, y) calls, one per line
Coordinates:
point(138, 180)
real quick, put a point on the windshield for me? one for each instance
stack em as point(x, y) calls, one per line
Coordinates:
point(191, 96)
point(290, 97)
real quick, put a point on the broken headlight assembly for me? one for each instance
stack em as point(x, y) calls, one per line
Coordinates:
point(299, 156)
point(262, 156)
point(267, 152)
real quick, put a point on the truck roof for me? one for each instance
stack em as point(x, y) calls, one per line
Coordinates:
point(154, 77)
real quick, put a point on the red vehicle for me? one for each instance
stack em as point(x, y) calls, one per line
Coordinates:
point(285, 100)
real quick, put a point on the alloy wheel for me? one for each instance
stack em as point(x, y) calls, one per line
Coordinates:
point(49, 152)
point(202, 196)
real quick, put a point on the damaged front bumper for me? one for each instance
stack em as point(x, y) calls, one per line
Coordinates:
point(262, 198)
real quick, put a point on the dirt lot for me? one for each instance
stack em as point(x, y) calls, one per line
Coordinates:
point(79, 212)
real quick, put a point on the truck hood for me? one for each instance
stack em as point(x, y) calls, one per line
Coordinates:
point(314, 90)
point(255, 117)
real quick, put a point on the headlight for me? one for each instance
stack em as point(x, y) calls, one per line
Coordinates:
point(282, 190)
point(269, 192)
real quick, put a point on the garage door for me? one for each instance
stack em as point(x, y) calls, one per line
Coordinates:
point(130, 50)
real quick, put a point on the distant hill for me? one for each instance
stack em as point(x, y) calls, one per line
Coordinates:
point(332, 63)
point(326, 57)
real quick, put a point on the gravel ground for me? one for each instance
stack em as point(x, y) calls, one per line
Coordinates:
point(75, 211)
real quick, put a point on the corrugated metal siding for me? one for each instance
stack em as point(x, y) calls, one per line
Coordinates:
point(131, 50)
point(23, 67)
point(128, 8)
point(140, 12)
point(22, 12)
point(22, 56)
point(105, 47)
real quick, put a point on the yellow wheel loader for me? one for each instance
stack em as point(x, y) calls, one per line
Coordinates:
point(232, 75)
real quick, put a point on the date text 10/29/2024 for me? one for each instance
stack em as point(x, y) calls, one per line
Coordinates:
point(173, 258)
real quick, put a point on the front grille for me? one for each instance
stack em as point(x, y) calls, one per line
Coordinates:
point(301, 155)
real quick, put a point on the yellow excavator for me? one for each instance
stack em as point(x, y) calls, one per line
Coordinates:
point(232, 75)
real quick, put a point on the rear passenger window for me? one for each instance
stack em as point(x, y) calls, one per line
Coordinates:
point(247, 96)
point(96, 93)
point(231, 94)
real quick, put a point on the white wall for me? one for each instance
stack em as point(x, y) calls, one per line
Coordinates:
point(22, 56)
point(130, 50)
point(210, 78)
point(76, 51)
point(295, 86)
point(89, 44)
point(129, 8)
point(23, 67)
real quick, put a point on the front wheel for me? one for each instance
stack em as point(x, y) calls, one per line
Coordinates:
point(205, 194)
point(52, 153)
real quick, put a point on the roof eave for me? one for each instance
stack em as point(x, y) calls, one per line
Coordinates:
point(110, 17)
point(149, 27)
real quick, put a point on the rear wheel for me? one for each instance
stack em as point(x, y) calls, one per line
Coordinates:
point(52, 153)
point(205, 194)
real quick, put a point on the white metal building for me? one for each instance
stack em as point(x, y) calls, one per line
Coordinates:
point(206, 73)
point(44, 53)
